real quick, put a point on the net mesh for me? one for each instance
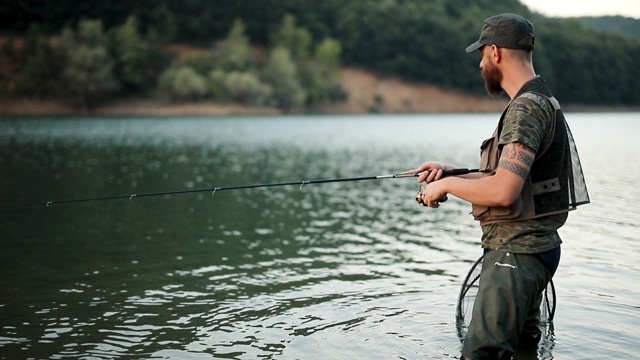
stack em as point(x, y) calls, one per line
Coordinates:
point(469, 290)
point(578, 194)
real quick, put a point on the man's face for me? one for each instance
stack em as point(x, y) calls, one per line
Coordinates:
point(490, 72)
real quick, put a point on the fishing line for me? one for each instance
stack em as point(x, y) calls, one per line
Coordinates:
point(213, 190)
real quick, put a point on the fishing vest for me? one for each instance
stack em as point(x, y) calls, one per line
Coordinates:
point(555, 183)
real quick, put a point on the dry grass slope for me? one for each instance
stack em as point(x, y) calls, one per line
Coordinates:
point(370, 93)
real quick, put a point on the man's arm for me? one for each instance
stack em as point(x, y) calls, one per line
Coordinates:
point(500, 189)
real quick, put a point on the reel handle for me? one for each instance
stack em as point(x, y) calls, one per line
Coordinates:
point(419, 199)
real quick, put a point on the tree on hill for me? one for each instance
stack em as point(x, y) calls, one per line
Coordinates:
point(182, 83)
point(281, 73)
point(38, 70)
point(289, 36)
point(88, 76)
point(234, 52)
point(137, 62)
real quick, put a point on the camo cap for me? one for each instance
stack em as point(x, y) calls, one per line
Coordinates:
point(505, 30)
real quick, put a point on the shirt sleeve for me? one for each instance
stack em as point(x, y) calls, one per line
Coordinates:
point(528, 119)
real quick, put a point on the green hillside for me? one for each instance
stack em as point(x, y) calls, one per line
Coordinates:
point(585, 61)
point(618, 25)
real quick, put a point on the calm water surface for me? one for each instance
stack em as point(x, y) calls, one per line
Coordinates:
point(351, 270)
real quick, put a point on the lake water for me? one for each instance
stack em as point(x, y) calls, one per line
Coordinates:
point(353, 270)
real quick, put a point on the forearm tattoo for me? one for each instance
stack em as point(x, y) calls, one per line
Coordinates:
point(510, 153)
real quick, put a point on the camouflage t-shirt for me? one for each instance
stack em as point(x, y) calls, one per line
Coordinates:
point(530, 121)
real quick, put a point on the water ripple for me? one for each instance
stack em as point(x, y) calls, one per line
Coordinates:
point(342, 271)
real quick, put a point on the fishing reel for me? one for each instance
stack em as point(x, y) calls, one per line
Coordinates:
point(421, 202)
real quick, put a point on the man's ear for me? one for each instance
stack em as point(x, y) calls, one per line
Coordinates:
point(496, 54)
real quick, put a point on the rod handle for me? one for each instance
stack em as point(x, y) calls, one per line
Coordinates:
point(454, 172)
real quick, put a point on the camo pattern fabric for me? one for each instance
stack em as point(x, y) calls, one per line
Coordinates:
point(530, 121)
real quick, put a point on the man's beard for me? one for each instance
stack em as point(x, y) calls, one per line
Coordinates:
point(492, 79)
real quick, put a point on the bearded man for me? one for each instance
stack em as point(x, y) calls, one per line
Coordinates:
point(531, 178)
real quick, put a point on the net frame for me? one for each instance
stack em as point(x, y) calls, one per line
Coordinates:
point(468, 292)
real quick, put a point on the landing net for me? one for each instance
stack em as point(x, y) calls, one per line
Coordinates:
point(469, 290)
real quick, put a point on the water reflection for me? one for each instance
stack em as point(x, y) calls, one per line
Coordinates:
point(350, 270)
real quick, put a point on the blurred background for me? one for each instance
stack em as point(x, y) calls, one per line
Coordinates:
point(168, 57)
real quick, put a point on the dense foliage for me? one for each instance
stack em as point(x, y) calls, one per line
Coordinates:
point(304, 41)
point(623, 26)
point(92, 66)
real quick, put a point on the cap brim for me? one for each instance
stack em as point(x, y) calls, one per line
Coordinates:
point(475, 46)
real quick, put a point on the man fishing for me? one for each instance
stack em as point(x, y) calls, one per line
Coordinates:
point(533, 178)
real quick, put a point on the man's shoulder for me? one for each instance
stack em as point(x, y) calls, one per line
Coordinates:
point(528, 120)
point(530, 110)
point(533, 104)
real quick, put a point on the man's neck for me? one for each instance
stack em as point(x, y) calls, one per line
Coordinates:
point(512, 84)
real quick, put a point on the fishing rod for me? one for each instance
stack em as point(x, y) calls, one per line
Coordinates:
point(452, 172)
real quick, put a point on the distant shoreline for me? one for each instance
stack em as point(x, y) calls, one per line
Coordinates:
point(31, 108)
point(368, 94)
